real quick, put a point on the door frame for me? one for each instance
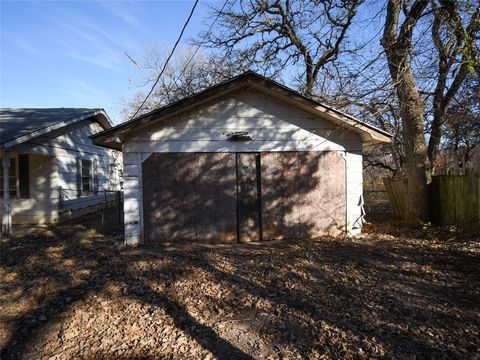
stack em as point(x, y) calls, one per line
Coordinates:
point(258, 178)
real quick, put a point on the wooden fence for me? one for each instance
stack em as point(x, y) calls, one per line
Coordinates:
point(454, 200)
point(376, 201)
point(397, 191)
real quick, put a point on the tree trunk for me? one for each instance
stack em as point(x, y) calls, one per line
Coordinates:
point(309, 80)
point(435, 134)
point(411, 107)
point(416, 159)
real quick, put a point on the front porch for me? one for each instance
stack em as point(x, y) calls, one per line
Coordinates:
point(43, 189)
point(49, 164)
point(31, 196)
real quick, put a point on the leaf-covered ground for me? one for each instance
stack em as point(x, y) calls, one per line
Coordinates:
point(73, 292)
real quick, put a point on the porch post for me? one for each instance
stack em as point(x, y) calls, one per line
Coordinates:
point(6, 215)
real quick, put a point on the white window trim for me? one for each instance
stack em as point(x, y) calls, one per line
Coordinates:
point(17, 180)
point(90, 177)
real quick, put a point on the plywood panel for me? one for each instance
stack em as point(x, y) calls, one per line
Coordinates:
point(248, 197)
point(215, 189)
point(208, 197)
point(280, 211)
point(168, 198)
point(322, 197)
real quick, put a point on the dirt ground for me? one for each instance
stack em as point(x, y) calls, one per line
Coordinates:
point(72, 291)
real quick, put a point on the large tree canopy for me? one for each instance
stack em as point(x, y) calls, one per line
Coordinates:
point(402, 65)
point(276, 35)
point(184, 76)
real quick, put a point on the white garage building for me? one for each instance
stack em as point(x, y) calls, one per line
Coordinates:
point(245, 160)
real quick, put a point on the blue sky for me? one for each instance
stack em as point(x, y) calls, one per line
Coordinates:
point(72, 53)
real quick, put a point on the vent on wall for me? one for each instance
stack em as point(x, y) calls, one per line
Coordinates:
point(238, 136)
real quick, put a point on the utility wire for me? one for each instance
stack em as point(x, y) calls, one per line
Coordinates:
point(205, 36)
point(166, 62)
point(177, 77)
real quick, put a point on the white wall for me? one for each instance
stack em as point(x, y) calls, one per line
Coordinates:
point(273, 126)
point(40, 207)
point(53, 164)
point(354, 192)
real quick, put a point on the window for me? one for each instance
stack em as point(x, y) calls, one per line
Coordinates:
point(12, 175)
point(86, 175)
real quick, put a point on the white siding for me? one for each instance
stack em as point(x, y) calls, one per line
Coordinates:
point(132, 205)
point(354, 192)
point(273, 126)
point(53, 164)
point(40, 207)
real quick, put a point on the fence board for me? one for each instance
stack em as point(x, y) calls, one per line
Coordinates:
point(398, 195)
point(473, 206)
point(454, 200)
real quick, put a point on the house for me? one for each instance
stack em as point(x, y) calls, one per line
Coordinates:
point(49, 164)
point(245, 160)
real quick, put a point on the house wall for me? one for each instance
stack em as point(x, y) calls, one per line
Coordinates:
point(53, 164)
point(39, 208)
point(273, 126)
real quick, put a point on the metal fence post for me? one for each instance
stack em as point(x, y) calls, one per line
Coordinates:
point(60, 198)
point(118, 201)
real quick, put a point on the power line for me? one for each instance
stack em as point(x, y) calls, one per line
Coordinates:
point(166, 62)
point(206, 34)
point(176, 77)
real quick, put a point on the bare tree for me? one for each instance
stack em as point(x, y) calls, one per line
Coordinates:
point(272, 35)
point(455, 55)
point(384, 114)
point(458, 55)
point(462, 120)
point(185, 75)
point(397, 42)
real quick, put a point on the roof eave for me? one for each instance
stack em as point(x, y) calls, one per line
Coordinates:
point(377, 141)
point(370, 135)
point(111, 144)
point(100, 114)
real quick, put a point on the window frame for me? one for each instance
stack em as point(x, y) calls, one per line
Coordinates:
point(90, 176)
point(13, 159)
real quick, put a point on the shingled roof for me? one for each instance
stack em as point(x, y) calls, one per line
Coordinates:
point(20, 125)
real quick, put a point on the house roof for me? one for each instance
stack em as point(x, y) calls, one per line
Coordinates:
point(20, 125)
point(113, 137)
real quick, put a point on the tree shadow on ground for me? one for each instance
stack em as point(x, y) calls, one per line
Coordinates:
point(331, 297)
point(334, 293)
point(25, 263)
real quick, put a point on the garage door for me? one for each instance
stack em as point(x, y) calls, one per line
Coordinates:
point(303, 194)
point(189, 197)
point(228, 197)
